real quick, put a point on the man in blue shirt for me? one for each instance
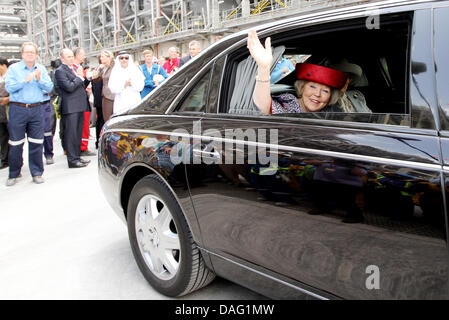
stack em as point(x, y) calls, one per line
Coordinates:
point(26, 81)
point(154, 73)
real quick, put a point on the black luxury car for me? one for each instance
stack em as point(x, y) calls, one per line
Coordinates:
point(327, 205)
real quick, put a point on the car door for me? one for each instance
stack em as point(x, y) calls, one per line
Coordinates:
point(441, 36)
point(342, 203)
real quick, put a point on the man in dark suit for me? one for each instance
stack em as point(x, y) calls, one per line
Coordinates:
point(72, 90)
point(194, 49)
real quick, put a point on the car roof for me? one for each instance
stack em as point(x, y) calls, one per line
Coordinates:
point(318, 14)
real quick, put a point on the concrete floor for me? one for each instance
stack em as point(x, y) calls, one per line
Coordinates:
point(61, 240)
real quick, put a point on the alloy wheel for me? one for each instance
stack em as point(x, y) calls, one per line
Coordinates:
point(157, 237)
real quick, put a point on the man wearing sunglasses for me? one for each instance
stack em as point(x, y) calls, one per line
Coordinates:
point(126, 82)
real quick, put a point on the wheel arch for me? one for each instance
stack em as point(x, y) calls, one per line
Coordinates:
point(134, 173)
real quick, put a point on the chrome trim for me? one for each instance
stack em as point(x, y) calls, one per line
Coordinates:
point(319, 122)
point(341, 155)
point(326, 15)
point(221, 81)
point(267, 276)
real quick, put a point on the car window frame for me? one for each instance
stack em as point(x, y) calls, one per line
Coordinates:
point(207, 75)
point(184, 93)
point(442, 65)
point(319, 28)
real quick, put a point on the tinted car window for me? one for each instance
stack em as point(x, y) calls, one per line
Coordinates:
point(196, 100)
point(381, 54)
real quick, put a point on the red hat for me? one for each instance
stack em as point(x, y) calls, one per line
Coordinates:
point(320, 74)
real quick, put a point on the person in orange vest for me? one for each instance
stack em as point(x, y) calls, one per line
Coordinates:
point(80, 56)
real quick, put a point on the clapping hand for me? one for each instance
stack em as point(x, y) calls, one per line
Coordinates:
point(33, 74)
point(96, 72)
point(262, 55)
point(80, 72)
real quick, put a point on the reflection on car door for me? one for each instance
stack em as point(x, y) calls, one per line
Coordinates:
point(294, 218)
point(356, 211)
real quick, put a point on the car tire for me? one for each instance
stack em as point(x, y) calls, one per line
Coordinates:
point(161, 240)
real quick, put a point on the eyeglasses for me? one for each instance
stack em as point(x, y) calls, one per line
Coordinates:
point(124, 58)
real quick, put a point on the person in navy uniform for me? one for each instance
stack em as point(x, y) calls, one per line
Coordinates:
point(72, 90)
point(26, 81)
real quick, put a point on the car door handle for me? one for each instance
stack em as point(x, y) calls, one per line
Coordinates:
point(204, 153)
point(209, 154)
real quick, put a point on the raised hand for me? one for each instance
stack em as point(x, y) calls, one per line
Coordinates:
point(262, 55)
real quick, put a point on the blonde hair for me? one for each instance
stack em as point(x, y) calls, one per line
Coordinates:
point(108, 54)
point(335, 93)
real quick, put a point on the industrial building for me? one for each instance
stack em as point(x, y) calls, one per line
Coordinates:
point(135, 24)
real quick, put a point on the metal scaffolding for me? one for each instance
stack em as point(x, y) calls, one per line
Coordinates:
point(134, 24)
point(13, 27)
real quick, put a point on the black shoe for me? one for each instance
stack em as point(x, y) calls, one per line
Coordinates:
point(77, 164)
point(87, 153)
point(84, 161)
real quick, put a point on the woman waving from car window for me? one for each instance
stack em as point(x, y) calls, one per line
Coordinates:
point(316, 86)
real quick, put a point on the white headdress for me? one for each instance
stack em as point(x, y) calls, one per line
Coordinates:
point(120, 75)
point(129, 96)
